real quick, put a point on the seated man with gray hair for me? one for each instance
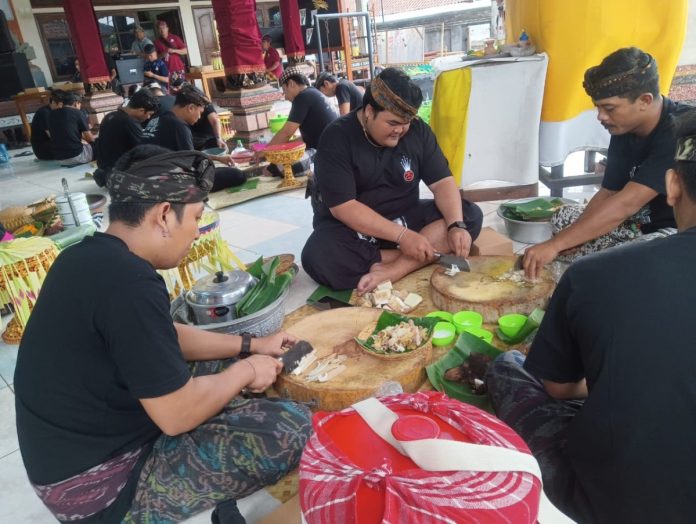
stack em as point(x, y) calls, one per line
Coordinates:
point(632, 199)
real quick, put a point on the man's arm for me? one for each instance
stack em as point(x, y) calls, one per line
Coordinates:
point(285, 133)
point(566, 391)
point(362, 219)
point(449, 203)
point(215, 124)
point(87, 136)
point(598, 219)
point(344, 108)
point(204, 397)
point(159, 78)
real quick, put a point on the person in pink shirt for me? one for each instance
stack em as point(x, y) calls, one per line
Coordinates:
point(171, 48)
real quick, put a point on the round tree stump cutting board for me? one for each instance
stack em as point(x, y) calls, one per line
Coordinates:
point(332, 332)
point(482, 290)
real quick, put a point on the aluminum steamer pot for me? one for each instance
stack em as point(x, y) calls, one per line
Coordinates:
point(212, 298)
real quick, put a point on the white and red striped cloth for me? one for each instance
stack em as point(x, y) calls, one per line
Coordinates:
point(330, 481)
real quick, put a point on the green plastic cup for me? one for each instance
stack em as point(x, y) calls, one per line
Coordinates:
point(511, 324)
point(444, 333)
point(444, 315)
point(481, 333)
point(467, 319)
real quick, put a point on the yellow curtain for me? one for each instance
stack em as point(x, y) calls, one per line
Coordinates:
point(448, 117)
point(578, 34)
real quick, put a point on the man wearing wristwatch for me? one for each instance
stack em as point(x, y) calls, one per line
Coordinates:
point(369, 223)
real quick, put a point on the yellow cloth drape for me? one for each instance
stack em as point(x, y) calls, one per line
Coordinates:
point(449, 114)
point(578, 34)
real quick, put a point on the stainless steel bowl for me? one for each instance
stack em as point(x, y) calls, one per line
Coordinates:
point(528, 232)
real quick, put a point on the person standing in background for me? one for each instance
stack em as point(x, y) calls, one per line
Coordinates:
point(271, 59)
point(141, 41)
point(171, 49)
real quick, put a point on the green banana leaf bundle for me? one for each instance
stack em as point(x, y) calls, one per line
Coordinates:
point(537, 209)
point(269, 288)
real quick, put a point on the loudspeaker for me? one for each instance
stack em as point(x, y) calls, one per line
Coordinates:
point(7, 45)
point(15, 74)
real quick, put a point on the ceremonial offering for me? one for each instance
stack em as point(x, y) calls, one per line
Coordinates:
point(492, 288)
point(395, 336)
point(24, 263)
point(286, 155)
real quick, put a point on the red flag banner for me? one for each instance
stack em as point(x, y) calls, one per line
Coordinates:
point(239, 35)
point(84, 33)
point(292, 28)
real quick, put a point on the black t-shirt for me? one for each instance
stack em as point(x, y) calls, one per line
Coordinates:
point(203, 128)
point(311, 110)
point(347, 167)
point(66, 126)
point(99, 338)
point(39, 126)
point(169, 131)
point(118, 133)
point(645, 161)
point(166, 103)
point(348, 92)
point(623, 319)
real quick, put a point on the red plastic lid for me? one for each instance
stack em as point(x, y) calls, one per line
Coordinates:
point(415, 427)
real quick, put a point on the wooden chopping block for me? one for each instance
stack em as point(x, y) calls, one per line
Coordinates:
point(332, 332)
point(481, 290)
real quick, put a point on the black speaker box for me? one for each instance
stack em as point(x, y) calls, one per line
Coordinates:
point(7, 45)
point(15, 74)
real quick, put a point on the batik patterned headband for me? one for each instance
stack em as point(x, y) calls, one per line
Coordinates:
point(686, 149)
point(620, 83)
point(390, 101)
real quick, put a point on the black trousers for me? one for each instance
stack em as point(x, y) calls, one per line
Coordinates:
point(227, 177)
point(336, 256)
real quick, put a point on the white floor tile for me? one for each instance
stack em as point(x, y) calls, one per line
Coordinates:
point(8, 428)
point(260, 230)
point(8, 361)
point(18, 502)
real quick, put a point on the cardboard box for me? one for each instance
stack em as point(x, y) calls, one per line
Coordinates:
point(490, 242)
point(288, 513)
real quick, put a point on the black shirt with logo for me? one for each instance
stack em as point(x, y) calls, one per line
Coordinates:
point(118, 133)
point(645, 160)
point(348, 167)
point(311, 110)
point(169, 131)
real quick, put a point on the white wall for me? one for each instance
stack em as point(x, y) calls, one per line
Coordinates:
point(688, 55)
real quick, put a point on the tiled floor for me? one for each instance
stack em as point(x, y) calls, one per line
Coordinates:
point(272, 225)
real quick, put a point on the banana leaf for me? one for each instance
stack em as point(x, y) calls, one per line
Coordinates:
point(537, 209)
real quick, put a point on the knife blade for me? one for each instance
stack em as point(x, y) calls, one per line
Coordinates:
point(453, 260)
point(519, 263)
point(292, 357)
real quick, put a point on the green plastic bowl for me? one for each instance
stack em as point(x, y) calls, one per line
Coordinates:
point(444, 315)
point(444, 333)
point(467, 319)
point(511, 324)
point(277, 123)
point(481, 333)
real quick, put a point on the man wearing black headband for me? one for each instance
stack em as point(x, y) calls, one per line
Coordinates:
point(369, 223)
point(631, 201)
point(123, 415)
point(606, 396)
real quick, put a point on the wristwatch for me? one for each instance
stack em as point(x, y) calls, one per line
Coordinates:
point(246, 345)
point(460, 224)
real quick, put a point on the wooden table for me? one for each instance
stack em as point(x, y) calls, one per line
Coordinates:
point(23, 99)
point(204, 77)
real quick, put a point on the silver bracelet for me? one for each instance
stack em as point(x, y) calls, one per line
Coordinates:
point(403, 232)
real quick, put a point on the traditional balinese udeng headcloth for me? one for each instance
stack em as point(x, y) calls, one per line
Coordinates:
point(618, 84)
point(385, 97)
point(180, 177)
point(686, 149)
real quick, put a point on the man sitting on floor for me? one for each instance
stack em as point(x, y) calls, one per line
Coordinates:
point(631, 201)
point(369, 223)
point(172, 130)
point(613, 337)
point(121, 131)
point(123, 415)
point(71, 139)
point(348, 95)
point(40, 135)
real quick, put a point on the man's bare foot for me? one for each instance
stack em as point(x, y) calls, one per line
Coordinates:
point(379, 273)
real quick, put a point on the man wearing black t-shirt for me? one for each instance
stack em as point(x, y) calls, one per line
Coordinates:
point(40, 135)
point(172, 130)
point(369, 223)
point(606, 399)
point(71, 140)
point(631, 201)
point(123, 415)
point(348, 95)
point(310, 111)
point(121, 131)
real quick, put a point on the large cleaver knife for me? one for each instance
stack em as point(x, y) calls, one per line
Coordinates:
point(292, 357)
point(453, 260)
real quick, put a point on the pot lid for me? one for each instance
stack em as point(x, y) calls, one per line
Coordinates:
point(221, 289)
